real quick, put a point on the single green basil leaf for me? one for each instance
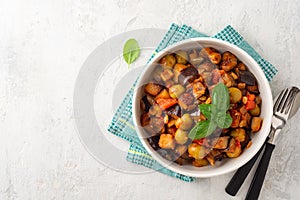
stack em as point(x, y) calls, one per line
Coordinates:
point(214, 111)
point(220, 97)
point(202, 129)
point(131, 51)
point(223, 120)
point(205, 109)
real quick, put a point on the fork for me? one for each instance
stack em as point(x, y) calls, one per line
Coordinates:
point(239, 177)
point(281, 110)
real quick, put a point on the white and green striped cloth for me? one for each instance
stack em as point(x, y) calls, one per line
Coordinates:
point(122, 123)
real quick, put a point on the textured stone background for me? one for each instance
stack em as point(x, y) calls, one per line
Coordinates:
point(42, 47)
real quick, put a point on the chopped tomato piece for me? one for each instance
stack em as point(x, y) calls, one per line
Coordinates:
point(199, 141)
point(251, 97)
point(237, 143)
point(202, 141)
point(166, 103)
point(250, 105)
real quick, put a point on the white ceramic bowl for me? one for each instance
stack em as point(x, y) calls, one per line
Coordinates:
point(226, 165)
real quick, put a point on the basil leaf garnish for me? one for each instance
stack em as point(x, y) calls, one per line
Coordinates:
point(215, 113)
point(131, 51)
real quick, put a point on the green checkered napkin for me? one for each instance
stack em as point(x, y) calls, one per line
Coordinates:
point(122, 123)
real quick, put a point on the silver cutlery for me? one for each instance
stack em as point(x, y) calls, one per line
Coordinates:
point(281, 112)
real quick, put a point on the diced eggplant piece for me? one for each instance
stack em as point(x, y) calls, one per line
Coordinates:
point(219, 157)
point(211, 54)
point(229, 61)
point(194, 58)
point(186, 101)
point(210, 159)
point(188, 75)
point(186, 154)
point(145, 119)
point(169, 83)
point(241, 66)
point(216, 154)
point(171, 130)
point(253, 89)
point(216, 75)
point(155, 110)
point(247, 77)
point(181, 161)
point(157, 123)
point(174, 110)
point(166, 153)
point(195, 112)
point(228, 80)
point(181, 149)
point(221, 142)
point(153, 141)
point(150, 99)
point(177, 69)
point(198, 89)
point(206, 66)
point(145, 103)
point(156, 73)
point(166, 74)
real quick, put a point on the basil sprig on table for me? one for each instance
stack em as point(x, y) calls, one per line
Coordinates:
point(131, 51)
point(215, 113)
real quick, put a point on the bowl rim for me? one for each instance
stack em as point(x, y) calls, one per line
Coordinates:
point(266, 121)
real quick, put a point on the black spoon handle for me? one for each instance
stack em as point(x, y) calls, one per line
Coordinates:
point(259, 176)
point(241, 174)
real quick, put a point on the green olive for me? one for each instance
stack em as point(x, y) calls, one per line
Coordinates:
point(176, 90)
point(186, 122)
point(197, 151)
point(238, 134)
point(200, 162)
point(255, 111)
point(181, 57)
point(234, 149)
point(180, 149)
point(181, 136)
point(235, 94)
point(168, 60)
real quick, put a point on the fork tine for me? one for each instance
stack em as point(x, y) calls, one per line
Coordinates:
point(294, 92)
point(285, 100)
point(279, 100)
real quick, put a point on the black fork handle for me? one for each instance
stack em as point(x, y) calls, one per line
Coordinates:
point(259, 176)
point(241, 174)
